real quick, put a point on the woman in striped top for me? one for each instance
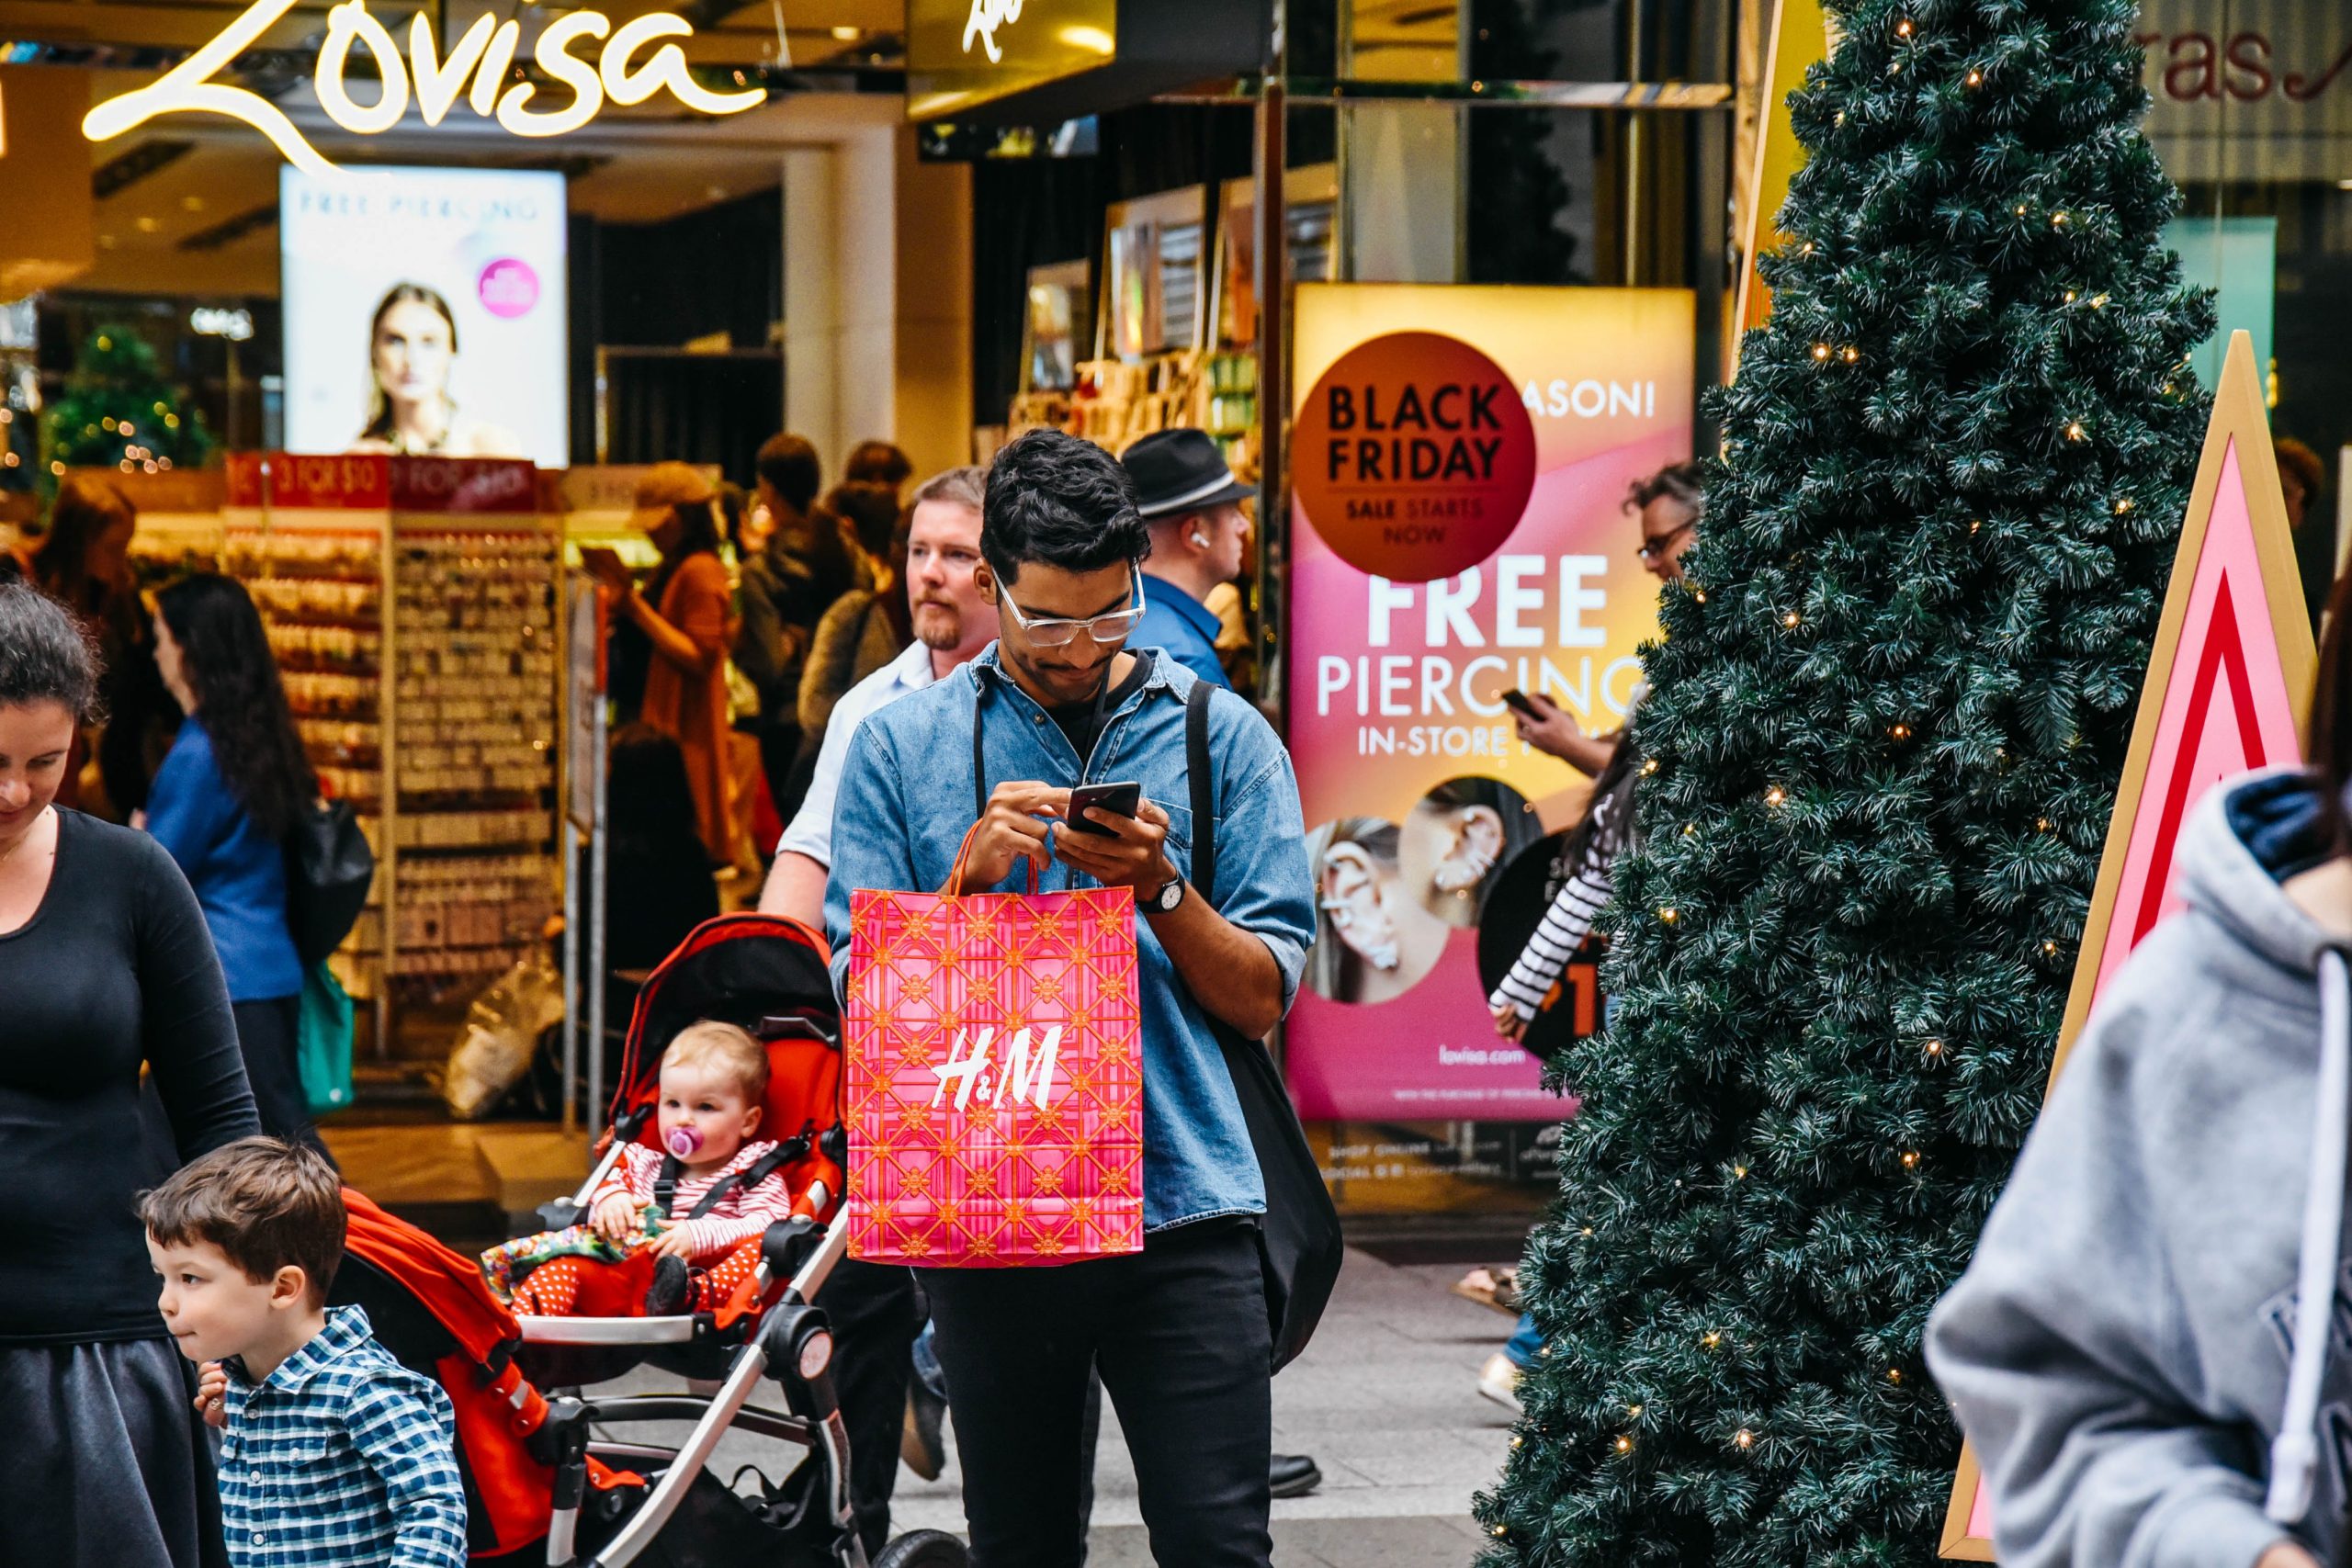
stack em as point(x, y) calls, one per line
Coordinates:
point(1592, 850)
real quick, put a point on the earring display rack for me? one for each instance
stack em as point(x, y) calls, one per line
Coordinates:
point(411, 601)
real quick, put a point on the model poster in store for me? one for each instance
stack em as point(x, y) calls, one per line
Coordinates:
point(424, 313)
point(1461, 463)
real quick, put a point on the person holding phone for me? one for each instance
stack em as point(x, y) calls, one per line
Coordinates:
point(684, 614)
point(1668, 504)
point(1179, 1330)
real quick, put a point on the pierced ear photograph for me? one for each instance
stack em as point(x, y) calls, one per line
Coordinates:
point(1457, 841)
point(1373, 942)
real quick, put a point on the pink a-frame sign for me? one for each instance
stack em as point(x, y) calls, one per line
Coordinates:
point(2229, 684)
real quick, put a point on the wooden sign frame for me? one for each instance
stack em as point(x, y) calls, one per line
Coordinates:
point(2240, 423)
point(1800, 36)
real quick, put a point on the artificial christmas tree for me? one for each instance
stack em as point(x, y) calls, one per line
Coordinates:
point(1886, 719)
point(118, 412)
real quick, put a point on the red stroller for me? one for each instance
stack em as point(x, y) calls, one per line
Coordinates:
point(540, 1485)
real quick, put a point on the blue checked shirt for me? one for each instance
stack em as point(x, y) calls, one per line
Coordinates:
point(342, 1457)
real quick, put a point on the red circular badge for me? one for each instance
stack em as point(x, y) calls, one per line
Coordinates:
point(1413, 456)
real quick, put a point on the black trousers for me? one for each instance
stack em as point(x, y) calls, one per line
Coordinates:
point(1178, 1333)
point(875, 1314)
point(268, 1034)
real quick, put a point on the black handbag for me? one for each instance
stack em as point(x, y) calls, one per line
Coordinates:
point(1300, 1245)
point(329, 867)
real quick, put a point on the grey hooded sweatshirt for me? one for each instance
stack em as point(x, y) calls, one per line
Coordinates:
point(2119, 1350)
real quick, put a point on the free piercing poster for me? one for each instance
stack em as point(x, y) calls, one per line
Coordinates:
point(425, 312)
point(1415, 406)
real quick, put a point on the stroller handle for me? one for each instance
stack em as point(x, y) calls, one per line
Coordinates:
point(827, 1431)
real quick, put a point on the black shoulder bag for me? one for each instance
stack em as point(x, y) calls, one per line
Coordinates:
point(329, 867)
point(1300, 1243)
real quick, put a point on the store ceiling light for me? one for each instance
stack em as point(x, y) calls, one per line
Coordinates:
point(848, 35)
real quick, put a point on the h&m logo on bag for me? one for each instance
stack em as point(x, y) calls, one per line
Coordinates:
point(970, 1069)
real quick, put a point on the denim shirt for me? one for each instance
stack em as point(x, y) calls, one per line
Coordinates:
point(906, 803)
point(1180, 626)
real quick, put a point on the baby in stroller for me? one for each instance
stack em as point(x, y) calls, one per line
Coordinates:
point(676, 1230)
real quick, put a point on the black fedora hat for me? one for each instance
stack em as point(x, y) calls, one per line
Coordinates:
point(1181, 471)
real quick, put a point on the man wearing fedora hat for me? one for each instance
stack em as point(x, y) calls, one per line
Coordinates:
point(1193, 504)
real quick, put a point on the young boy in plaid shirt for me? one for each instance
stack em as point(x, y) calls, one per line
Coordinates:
point(336, 1456)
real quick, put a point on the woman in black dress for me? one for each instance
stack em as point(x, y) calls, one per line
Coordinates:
point(104, 964)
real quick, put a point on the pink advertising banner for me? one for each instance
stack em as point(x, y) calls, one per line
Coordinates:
point(1417, 793)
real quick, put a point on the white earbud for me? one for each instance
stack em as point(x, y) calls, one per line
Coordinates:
point(1200, 538)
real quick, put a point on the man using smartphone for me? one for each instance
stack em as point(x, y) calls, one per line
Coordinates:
point(1179, 1330)
point(1668, 504)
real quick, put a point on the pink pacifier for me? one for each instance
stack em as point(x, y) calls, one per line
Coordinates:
point(683, 1141)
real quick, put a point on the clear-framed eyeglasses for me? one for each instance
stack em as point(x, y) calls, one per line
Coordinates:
point(1652, 549)
point(1116, 626)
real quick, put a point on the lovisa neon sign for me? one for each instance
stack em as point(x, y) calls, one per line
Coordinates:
point(483, 56)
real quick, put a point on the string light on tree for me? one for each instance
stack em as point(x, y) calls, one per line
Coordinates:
point(1933, 558)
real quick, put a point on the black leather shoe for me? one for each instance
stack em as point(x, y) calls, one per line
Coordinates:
point(666, 1297)
point(1293, 1475)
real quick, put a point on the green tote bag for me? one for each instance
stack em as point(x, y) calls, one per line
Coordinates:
point(323, 1044)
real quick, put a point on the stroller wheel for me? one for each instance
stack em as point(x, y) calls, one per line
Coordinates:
point(922, 1549)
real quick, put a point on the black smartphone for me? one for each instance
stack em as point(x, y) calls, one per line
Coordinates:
point(1121, 799)
point(1519, 702)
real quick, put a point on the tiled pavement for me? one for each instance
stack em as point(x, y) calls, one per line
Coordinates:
point(1386, 1402)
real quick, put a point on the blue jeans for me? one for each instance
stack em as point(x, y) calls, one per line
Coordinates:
point(1525, 1344)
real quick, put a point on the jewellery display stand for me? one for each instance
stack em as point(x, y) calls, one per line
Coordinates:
point(410, 602)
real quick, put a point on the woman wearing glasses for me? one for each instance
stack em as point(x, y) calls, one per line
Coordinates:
point(1668, 504)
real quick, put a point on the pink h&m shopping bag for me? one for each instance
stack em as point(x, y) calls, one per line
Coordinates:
point(995, 1077)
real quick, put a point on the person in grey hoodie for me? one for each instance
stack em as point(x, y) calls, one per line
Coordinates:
point(2153, 1350)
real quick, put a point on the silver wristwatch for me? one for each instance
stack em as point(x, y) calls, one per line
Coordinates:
point(1164, 898)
